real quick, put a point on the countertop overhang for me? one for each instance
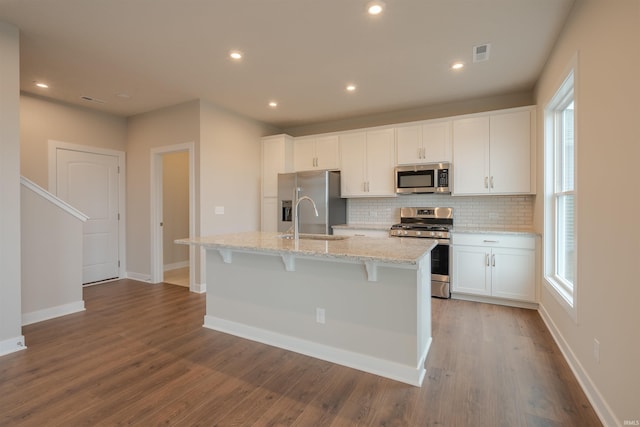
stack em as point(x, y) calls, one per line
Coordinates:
point(370, 251)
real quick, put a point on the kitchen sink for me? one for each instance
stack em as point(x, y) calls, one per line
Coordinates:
point(314, 237)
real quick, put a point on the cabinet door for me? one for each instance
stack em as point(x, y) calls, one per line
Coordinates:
point(270, 214)
point(409, 144)
point(436, 140)
point(352, 174)
point(471, 275)
point(380, 163)
point(304, 154)
point(513, 273)
point(328, 152)
point(471, 156)
point(273, 154)
point(510, 154)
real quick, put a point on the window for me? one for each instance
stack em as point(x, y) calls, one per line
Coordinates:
point(560, 194)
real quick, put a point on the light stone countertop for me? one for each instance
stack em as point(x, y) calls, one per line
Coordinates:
point(475, 230)
point(354, 248)
point(362, 226)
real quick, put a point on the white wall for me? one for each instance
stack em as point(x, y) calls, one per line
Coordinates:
point(11, 338)
point(51, 259)
point(168, 126)
point(605, 34)
point(42, 120)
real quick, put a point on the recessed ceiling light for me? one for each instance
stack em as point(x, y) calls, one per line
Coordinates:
point(457, 65)
point(235, 54)
point(351, 87)
point(375, 7)
point(42, 85)
point(273, 104)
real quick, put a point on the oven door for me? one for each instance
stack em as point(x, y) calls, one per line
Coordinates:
point(440, 256)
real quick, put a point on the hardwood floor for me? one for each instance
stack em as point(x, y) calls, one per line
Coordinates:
point(139, 356)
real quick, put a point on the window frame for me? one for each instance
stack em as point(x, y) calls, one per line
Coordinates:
point(563, 291)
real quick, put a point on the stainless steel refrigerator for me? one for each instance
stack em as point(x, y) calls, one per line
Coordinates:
point(324, 188)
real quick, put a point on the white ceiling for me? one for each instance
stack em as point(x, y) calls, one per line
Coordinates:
point(301, 53)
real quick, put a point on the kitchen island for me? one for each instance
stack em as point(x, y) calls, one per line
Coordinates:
point(356, 301)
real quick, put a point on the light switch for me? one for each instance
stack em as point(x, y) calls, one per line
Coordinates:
point(219, 210)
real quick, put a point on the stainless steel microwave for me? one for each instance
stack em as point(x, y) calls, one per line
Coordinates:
point(429, 178)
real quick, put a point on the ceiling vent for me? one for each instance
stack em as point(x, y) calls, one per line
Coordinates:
point(481, 52)
point(90, 99)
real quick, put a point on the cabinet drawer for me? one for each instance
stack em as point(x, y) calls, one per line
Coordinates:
point(494, 240)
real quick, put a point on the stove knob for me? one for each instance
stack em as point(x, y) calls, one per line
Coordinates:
point(418, 233)
point(405, 232)
point(432, 234)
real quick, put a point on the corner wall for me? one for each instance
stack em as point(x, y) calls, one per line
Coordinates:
point(605, 35)
point(11, 338)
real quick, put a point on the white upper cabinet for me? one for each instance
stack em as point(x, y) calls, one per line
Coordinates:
point(425, 142)
point(492, 154)
point(277, 153)
point(368, 162)
point(316, 153)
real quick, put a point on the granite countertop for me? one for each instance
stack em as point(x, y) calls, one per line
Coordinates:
point(384, 227)
point(478, 230)
point(354, 248)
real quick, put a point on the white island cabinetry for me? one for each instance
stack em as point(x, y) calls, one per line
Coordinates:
point(494, 265)
point(368, 162)
point(359, 302)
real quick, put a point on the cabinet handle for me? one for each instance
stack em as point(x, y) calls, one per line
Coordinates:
point(419, 150)
point(491, 180)
point(493, 260)
point(486, 182)
point(491, 241)
point(367, 186)
point(486, 259)
point(424, 153)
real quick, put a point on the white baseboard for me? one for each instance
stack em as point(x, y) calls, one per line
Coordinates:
point(384, 368)
point(176, 265)
point(199, 288)
point(603, 410)
point(12, 345)
point(52, 312)
point(492, 300)
point(139, 277)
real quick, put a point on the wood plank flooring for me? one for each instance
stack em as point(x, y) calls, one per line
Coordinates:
point(139, 355)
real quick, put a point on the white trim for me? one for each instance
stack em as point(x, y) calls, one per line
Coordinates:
point(493, 300)
point(198, 288)
point(138, 277)
point(568, 301)
point(157, 273)
point(602, 408)
point(52, 312)
point(175, 265)
point(122, 180)
point(53, 199)
point(12, 345)
point(413, 375)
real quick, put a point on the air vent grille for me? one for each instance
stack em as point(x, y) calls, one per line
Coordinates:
point(481, 52)
point(91, 99)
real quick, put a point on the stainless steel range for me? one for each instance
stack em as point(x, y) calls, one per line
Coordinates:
point(431, 223)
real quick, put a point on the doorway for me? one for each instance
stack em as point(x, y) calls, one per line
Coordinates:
point(91, 180)
point(172, 214)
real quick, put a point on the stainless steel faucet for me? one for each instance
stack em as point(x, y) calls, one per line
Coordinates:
point(296, 232)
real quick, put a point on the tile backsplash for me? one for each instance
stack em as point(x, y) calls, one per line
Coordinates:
point(485, 212)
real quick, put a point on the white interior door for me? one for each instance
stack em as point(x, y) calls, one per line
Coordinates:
point(89, 182)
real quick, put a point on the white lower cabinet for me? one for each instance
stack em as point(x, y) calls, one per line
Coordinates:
point(500, 266)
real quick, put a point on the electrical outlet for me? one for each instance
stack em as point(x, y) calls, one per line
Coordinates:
point(596, 350)
point(219, 210)
point(320, 315)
